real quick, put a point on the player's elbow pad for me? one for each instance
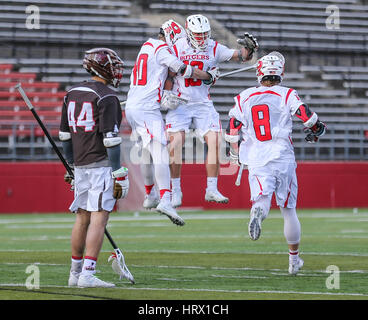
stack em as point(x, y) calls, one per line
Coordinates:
point(64, 136)
point(311, 121)
point(112, 141)
point(232, 130)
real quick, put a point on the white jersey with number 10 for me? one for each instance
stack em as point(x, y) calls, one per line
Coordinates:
point(149, 74)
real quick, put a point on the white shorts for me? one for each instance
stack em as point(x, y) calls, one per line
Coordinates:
point(203, 116)
point(147, 124)
point(275, 177)
point(93, 190)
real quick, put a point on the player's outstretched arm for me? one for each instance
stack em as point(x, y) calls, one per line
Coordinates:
point(314, 128)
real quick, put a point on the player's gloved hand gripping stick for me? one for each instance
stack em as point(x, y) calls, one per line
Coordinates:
point(118, 264)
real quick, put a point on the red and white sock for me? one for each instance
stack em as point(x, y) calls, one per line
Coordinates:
point(165, 194)
point(149, 188)
point(293, 255)
point(89, 265)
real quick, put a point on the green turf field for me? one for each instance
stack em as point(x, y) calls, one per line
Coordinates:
point(211, 257)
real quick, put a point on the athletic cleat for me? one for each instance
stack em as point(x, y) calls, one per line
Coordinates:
point(151, 200)
point(73, 278)
point(254, 226)
point(294, 267)
point(176, 198)
point(167, 209)
point(215, 196)
point(91, 281)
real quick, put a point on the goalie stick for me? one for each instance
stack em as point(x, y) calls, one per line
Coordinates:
point(118, 264)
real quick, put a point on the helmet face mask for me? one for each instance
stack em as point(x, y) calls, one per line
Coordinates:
point(271, 65)
point(172, 31)
point(198, 31)
point(105, 64)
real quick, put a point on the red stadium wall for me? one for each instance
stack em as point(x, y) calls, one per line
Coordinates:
point(39, 187)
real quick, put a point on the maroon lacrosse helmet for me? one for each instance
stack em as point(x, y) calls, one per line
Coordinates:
point(104, 63)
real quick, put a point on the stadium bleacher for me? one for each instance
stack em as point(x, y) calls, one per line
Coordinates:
point(328, 67)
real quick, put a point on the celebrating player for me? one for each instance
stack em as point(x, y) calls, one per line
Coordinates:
point(90, 121)
point(143, 112)
point(198, 50)
point(264, 116)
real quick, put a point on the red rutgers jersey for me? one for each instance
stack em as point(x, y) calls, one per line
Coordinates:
point(194, 89)
point(266, 115)
point(90, 109)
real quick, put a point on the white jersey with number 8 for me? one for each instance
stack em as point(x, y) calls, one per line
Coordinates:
point(266, 114)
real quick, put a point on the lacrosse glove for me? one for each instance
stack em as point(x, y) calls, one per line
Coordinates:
point(250, 43)
point(313, 133)
point(121, 183)
point(214, 73)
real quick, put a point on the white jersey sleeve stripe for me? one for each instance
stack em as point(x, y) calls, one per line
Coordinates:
point(160, 46)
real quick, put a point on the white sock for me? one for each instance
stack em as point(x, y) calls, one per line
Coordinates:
point(176, 184)
point(212, 183)
point(76, 265)
point(89, 265)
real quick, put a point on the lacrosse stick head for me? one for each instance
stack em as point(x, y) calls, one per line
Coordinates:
point(119, 266)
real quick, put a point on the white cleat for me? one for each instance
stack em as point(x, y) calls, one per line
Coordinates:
point(294, 267)
point(91, 281)
point(215, 196)
point(151, 200)
point(254, 226)
point(73, 278)
point(176, 198)
point(167, 209)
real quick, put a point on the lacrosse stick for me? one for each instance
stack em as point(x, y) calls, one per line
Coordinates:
point(238, 70)
point(240, 172)
point(120, 258)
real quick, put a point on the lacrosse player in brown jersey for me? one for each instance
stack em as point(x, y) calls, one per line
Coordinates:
point(90, 121)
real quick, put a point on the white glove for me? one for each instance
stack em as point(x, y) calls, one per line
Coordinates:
point(214, 73)
point(170, 101)
point(121, 183)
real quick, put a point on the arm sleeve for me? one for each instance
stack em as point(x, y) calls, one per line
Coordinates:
point(293, 101)
point(64, 125)
point(113, 154)
point(68, 151)
point(223, 53)
point(165, 57)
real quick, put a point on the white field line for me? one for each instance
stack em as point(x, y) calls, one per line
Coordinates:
point(197, 216)
point(303, 272)
point(208, 290)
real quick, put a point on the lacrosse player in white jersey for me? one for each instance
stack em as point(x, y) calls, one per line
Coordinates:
point(264, 116)
point(198, 50)
point(143, 113)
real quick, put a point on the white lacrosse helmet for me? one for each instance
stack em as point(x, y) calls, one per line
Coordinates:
point(198, 31)
point(272, 64)
point(172, 31)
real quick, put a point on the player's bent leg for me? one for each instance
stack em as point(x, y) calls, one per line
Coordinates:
point(78, 241)
point(160, 158)
point(94, 240)
point(175, 147)
point(258, 213)
point(151, 198)
point(292, 233)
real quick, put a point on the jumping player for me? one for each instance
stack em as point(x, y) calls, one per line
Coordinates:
point(89, 127)
point(264, 116)
point(198, 50)
point(143, 113)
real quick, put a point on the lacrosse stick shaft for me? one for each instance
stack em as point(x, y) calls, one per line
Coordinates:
point(54, 146)
point(240, 172)
point(237, 71)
